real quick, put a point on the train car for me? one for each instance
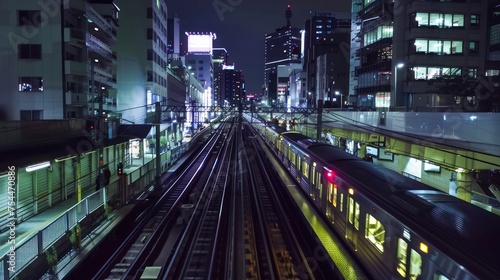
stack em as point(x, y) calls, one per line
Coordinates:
point(397, 227)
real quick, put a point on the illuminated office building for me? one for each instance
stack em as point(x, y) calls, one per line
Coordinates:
point(282, 48)
point(423, 55)
point(230, 86)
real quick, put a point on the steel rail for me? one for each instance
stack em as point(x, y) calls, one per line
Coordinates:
point(125, 259)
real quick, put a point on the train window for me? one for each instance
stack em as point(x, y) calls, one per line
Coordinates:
point(334, 198)
point(401, 254)
point(375, 232)
point(291, 155)
point(353, 213)
point(341, 208)
point(305, 169)
point(298, 163)
point(415, 265)
point(356, 216)
point(439, 277)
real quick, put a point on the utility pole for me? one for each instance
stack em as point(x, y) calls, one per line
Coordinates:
point(157, 137)
point(100, 131)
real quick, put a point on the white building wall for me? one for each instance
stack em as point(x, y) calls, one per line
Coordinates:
point(133, 66)
point(50, 101)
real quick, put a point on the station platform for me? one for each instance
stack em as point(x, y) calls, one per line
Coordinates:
point(27, 229)
point(31, 226)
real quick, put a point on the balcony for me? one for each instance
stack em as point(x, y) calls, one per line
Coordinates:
point(101, 22)
point(74, 36)
point(76, 99)
point(108, 104)
point(99, 46)
point(75, 68)
point(102, 75)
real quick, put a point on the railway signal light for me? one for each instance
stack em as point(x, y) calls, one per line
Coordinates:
point(120, 169)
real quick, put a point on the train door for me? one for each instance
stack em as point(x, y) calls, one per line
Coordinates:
point(298, 165)
point(305, 182)
point(409, 266)
point(352, 226)
point(331, 193)
point(312, 181)
point(318, 191)
point(291, 158)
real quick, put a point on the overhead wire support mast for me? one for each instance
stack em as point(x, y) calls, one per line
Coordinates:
point(157, 139)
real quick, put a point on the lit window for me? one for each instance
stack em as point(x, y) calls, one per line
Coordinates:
point(415, 265)
point(33, 84)
point(353, 212)
point(401, 255)
point(305, 169)
point(375, 232)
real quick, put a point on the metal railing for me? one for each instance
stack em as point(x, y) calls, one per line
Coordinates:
point(35, 246)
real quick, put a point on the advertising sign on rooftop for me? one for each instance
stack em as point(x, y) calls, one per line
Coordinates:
point(200, 43)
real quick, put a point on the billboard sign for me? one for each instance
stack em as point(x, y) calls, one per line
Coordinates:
point(200, 43)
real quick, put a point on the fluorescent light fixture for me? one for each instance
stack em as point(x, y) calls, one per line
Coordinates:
point(38, 166)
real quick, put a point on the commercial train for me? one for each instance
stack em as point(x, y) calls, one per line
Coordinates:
point(397, 227)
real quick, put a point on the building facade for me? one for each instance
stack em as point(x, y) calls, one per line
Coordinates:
point(230, 85)
point(220, 60)
point(422, 55)
point(58, 61)
point(199, 61)
point(282, 48)
point(326, 35)
point(142, 59)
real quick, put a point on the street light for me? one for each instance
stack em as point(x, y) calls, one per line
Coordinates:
point(341, 95)
point(399, 65)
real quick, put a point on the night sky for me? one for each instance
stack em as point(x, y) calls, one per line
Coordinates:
point(242, 26)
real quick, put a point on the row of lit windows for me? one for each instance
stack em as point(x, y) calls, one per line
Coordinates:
point(439, 20)
point(438, 46)
point(430, 73)
point(443, 20)
point(377, 34)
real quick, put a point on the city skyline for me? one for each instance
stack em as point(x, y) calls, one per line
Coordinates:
point(241, 27)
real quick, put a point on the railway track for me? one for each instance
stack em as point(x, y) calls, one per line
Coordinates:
point(198, 254)
point(274, 255)
point(238, 228)
point(151, 230)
